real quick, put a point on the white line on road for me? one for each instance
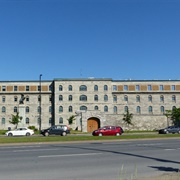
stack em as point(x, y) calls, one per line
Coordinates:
point(65, 155)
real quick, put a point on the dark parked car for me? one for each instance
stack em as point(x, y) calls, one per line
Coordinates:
point(170, 129)
point(62, 130)
point(108, 131)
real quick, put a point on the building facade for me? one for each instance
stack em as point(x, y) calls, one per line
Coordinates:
point(94, 102)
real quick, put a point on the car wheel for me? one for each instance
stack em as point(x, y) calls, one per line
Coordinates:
point(46, 134)
point(117, 134)
point(64, 134)
point(100, 134)
point(27, 134)
point(178, 132)
point(10, 134)
point(167, 132)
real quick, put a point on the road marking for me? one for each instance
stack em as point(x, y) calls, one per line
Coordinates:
point(169, 149)
point(17, 147)
point(65, 155)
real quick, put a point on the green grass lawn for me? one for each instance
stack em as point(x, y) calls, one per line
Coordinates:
point(83, 137)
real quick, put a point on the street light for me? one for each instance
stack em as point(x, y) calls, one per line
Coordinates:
point(40, 103)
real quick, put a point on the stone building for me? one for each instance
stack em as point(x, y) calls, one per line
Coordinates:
point(94, 102)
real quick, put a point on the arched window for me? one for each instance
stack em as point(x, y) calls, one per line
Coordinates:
point(50, 120)
point(174, 107)
point(60, 98)
point(70, 88)
point(150, 98)
point(60, 109)
point(137, 98)
point(162, 109)
point(15, 109)
point(115, 98)
point(83, 108)
point(161, 98)
point(3, 109)
point(60, 120)
point(95, 97)
point(105, 88)
point(38, 109)
point(27, 120)
point(60, 88)
point(70, 109)
point(96, 108)
point(150, 109)
point(115, 109)
point(83, 88)
point(126, 98)
point(105, 98)
point(15, 98)
point(83, 98)
point(70, 98)
point(3, 121)
point(173, 98)
point(105, 109)
point(138, 109)
point(27, 109)
point(95, 88)
point(3, 99)
point(50, 109)
point(27, 98)
point(125, 109)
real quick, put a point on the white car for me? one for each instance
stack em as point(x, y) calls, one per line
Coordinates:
point(22, 131)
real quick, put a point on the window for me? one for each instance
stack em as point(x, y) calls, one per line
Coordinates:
point(115, 109)
point(161, 98)
point(50, 120)
point(15, 88)
point(3, 88)
point(150, 98)
point(27, 98)
point(126, 98)
point(60, 120)
point(50, 109)
point(27, 109)
point(27, 120)
point(50, 98)
point(115, 98)
point(60, 98)
point(3, 99)
point(60, 109)
point(83, 98)
point(95, 97)
point(70, 109)
point(162, 109)
point(105, 109)
point(95, 88)
point(105, 88)
point(137, 98)
point(173, 98)
point(138, 109)
point(39, 98)
point(105, 98)
point(173, 87)
point(15, 109)
point(96, 108)
point(15, 98)
point(38, 109)
point(50, 88)
point(27, 88)
point(150, 109)
point(70, 88)
point(174, 107)
point(114, 88)
point(82, 88)
point(3, 121)
point(83, 108)
point(3, 109)
point(161, 87)
point(149, 88)
point(39, 88)
point(60, 87)
point(70, 98)
point(126, 109)
point(137, 88)
point(125, 87)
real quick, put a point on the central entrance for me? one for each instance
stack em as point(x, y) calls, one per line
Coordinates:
point(93, 124)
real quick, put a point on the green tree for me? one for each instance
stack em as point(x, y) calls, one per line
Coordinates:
point(15, 119)
point(71, 119)
point(168, 114)
point(175, 116)
point(128, 118)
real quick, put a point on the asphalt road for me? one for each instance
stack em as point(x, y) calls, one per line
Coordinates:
point(113, 160)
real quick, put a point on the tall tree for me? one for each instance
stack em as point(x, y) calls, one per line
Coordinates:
point(128, 118)
point(71, 119)
point(175, 116)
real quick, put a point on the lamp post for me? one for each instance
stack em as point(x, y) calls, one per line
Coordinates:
point(40, 103)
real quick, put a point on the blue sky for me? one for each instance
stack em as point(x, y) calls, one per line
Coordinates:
point(118, 39)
